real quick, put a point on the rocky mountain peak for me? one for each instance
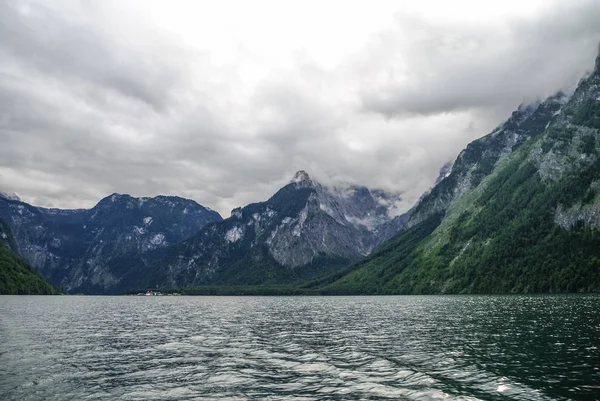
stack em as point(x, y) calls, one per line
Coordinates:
point(597, 65)
point(305, 228)
point(236, 213)
point(113, 198)
point(445, 171)
point(14, 196)
point(301, 176)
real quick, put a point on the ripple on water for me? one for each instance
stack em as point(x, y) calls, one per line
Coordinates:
point(195, 348)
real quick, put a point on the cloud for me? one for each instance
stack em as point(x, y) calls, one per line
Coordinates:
point(224, 107)
point(453, 65)
point(81, 49)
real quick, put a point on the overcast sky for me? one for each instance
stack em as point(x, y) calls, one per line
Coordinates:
point(222, 101)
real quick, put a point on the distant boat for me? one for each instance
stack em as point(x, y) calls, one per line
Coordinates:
point(149, 293)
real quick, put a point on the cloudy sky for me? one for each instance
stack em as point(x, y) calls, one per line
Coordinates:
point(223, 101)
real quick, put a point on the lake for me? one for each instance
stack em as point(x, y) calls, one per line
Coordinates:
point(300, 348)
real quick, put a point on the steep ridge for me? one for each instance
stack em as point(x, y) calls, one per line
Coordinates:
point(519, 212)
point(101, 249)
point(481, 156)
point(306, 228)
point(17, 277)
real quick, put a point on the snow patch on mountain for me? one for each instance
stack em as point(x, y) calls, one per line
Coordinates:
point(234, 234)
point(158, 239)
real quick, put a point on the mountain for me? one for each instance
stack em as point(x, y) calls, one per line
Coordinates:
point(305, 229)
point(12, 196)
point(16, 275)
point(519, 212)
point(102, 249)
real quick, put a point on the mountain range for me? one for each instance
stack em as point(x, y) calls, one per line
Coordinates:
point(101, 249)
point(303, 230)
point(517, 211)
point(123, 242)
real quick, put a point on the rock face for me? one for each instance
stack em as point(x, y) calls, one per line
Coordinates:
point(16, 276)
point(518, 212)
point(482, 156)
point(6, 237)
point(125, 242)
point(102, 249)
point(303, 229)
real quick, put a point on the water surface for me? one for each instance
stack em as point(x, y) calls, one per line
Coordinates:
point(300, 348)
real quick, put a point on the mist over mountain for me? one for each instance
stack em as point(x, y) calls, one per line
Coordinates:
point(309, 200)
point(519, 211)
point(303, 230)
point(195, 100)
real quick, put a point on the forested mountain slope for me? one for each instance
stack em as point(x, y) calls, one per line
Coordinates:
point(520, 212)
point(16, 275)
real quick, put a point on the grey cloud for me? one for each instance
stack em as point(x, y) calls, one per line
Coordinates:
point(84, 114)
point(455, 67)
point(39, 36)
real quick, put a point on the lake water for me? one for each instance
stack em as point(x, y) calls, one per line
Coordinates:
point(300, 348)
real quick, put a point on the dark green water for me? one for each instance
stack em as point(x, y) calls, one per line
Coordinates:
point(305, 348)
